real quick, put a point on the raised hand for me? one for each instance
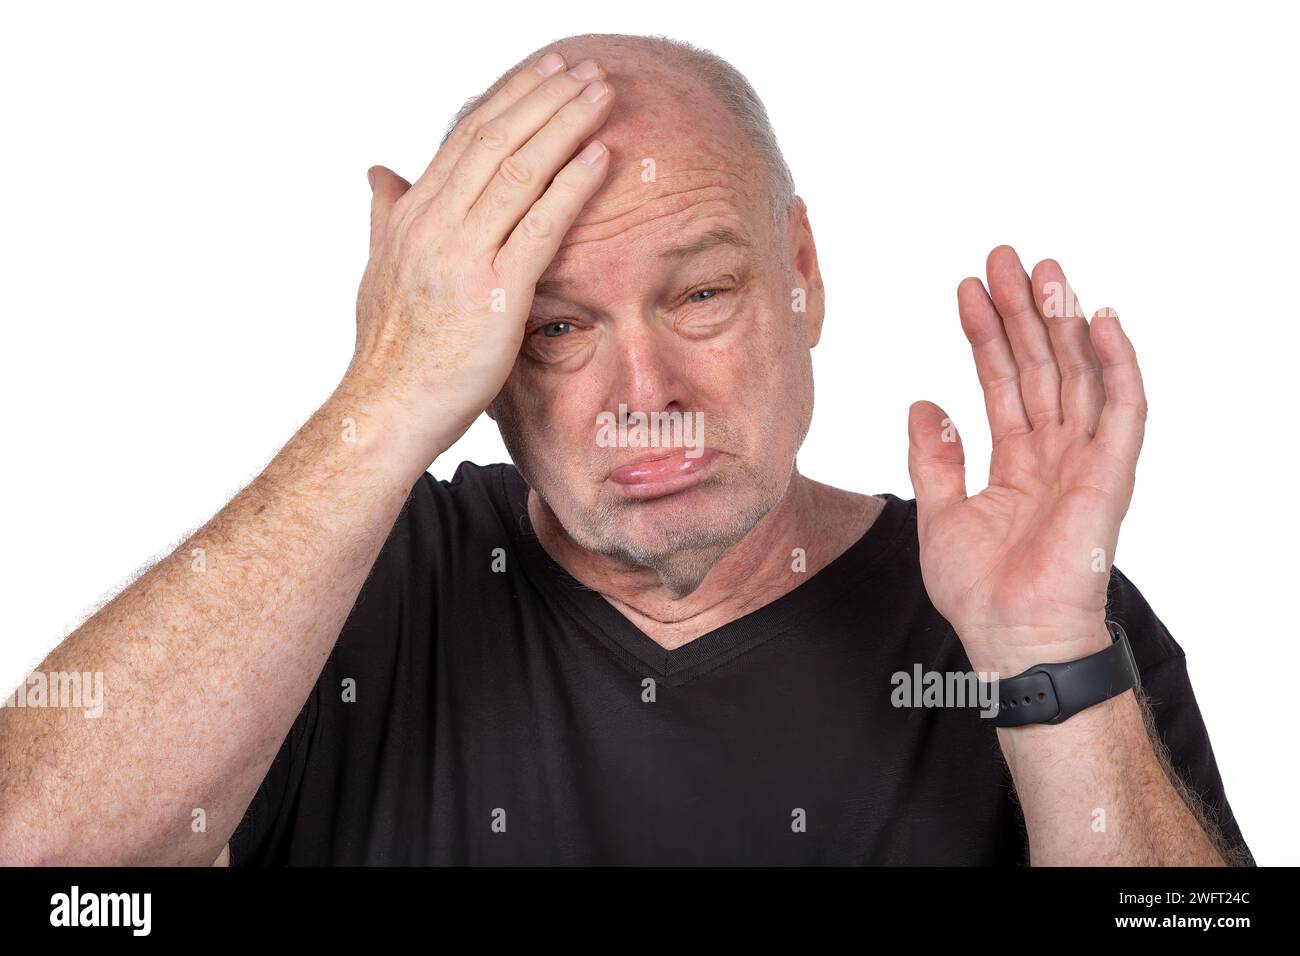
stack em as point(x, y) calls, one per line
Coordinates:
point(1020, 570)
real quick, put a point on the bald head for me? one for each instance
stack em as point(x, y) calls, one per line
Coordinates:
point(671, 93)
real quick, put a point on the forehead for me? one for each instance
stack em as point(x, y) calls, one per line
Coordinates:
point(655, 232)
point(678, 171)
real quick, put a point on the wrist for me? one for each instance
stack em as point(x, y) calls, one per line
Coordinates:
point(1011, 650)
point(380, 433)
point(1112, 724)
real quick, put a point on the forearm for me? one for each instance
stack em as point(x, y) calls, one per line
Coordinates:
point(206, 660)
point(1094, 792)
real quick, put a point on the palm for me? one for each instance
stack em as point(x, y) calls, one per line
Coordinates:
point(1029, 553)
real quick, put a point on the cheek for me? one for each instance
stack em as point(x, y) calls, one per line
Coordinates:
point(717, 357)
point(723, 376)
point(773, 357)
point(521, 400)
point(547, 414)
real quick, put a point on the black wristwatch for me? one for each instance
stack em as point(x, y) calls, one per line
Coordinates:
point(1052, 693)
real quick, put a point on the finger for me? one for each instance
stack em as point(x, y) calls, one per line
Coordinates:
point(520, 178)
point(386, 187)
point(995, 364)
point(501, 136)
point(1040, 382)
point(935, 460)
point(1122, 425)
point(511, 92)
point(1082, 391)
point(536, 238)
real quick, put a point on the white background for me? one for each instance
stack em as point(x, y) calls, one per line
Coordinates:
point(184, 225)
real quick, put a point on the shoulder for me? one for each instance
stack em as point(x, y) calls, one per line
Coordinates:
point(472, 487)
point(1150, 640)
point(844, 518)
point(424, 556)
point(438, 512)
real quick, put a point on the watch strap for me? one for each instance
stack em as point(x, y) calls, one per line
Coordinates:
point(1052, 693)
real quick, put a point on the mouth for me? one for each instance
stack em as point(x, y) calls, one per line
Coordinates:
point(663, 473)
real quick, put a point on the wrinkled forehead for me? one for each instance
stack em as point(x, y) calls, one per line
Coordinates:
point(679, 171)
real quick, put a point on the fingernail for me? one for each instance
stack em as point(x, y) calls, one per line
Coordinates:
point(593, 152)
point(586, 70)
point(550, 64)
point(370, 175)
point(594, 93)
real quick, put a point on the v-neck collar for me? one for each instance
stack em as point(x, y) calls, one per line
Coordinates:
point(714, 648)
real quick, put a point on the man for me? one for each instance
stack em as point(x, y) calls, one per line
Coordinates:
point(629, 650)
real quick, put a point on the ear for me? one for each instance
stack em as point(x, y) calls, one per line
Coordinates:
point(807, 273)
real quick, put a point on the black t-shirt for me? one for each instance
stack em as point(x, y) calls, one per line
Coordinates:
point(483, 707)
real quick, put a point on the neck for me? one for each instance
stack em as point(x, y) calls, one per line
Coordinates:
point(754, 571)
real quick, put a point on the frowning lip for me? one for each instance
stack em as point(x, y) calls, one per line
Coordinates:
point(662, 472)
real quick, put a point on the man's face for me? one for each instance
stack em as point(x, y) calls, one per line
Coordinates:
point(672, 293)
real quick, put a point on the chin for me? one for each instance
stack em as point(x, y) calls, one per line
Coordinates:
point(704, 518)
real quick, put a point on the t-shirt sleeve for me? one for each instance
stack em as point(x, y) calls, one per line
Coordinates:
point(1162, 665)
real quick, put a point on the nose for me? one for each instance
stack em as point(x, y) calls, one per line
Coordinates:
point(651, 371)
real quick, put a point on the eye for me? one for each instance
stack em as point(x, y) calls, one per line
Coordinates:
point(555, 329)
point(709, 293)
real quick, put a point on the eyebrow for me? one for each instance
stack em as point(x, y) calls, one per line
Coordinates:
point(718, 236)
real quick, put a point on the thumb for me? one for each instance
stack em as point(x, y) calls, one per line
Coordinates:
point(935, 460)
point(386, 187)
